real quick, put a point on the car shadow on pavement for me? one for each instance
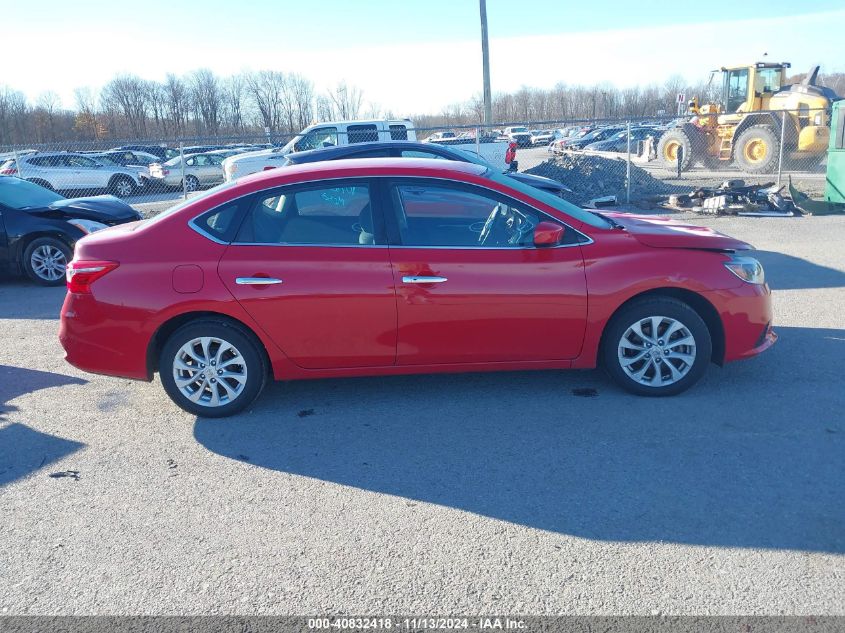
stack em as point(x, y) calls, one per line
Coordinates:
point(23, 450)
point(753, 456)
point(785, 272)
point(22, 299)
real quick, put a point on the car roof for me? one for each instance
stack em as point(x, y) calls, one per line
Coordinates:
point(369, 167)
point(329, 153)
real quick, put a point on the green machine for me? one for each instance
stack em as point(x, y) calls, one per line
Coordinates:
point(834, 191)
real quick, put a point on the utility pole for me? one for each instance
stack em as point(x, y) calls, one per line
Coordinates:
point(485, 61)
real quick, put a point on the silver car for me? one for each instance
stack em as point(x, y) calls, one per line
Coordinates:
point(66, 171)
point(199, 170)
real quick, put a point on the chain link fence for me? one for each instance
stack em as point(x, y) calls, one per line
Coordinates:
point(642, 163)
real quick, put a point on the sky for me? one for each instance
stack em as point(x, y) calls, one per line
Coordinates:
point(410, 56)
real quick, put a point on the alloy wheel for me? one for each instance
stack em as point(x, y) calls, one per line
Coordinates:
point(657, 351)
point(123, 188)
point(48, 262)
point(210, 371)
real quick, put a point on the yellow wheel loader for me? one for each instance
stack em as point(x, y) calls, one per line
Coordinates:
point(755, 113)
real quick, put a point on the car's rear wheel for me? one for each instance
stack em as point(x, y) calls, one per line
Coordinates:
point(121, 186)
point(45, 260)
point(656, 346)
point(211, 368)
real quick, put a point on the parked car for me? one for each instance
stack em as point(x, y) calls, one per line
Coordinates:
point(68, 171)
point(440, 136)
point(200, 170)
point(619, 141)
point(413, 149)
point(201, 149)
point(519, 134)
point(285, 274)
point(163, 153)
point(320, 135)
point(567, 136)
point(541, 137)
point(39, 227)
point(136, 160)
point(598, 134)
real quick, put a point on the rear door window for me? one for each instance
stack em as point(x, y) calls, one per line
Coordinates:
point(339, 214)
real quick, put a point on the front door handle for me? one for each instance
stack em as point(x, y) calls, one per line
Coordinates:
point(257, 281)
point(410, 279)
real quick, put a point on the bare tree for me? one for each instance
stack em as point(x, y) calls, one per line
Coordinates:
point(233, 101)
point(87, 123)
point(207, 99)
point(127, 95)
point(177, 103)
point(325, 108)
point(48, 103)
point(346, 101)
point(13, 116)
point(266, 88)
point(157, 100)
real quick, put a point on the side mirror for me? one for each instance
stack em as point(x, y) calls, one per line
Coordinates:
point(548, 234)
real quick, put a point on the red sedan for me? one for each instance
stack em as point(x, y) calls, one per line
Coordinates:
point(398, 266)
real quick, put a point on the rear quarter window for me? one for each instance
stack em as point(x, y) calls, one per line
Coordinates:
point(221, 223)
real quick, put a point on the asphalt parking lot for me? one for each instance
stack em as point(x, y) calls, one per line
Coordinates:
point(532, 493)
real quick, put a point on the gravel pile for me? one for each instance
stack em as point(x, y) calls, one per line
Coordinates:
point(596, 176)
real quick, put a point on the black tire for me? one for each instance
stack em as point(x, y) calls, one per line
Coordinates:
point(41, 183)
point(667, 148)
point(637, 313)
point(44, 261)
point(192, 183)
point(249, 357)
point(121, 186)
point(756, 149)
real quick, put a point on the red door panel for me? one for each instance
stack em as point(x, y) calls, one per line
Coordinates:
point(495, 305)
point(335, 307)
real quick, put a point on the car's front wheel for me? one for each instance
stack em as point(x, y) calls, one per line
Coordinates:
point(45, 260)
point(211, 368)
point(656, 346)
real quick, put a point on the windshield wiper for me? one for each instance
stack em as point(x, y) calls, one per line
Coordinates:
point(607, 219)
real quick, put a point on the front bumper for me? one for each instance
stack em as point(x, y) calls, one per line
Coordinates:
point(746, 314)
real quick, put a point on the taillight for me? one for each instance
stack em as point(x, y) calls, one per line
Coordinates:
point(11, 171)
point(511, 153)
point(269, 167)
point(80, 275)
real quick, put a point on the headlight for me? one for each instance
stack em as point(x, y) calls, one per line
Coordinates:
point(747, 268)
point(87, 226)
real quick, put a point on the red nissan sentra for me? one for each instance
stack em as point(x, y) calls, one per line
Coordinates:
point(398, 266)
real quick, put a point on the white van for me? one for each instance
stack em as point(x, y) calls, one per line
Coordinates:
point(320, 135)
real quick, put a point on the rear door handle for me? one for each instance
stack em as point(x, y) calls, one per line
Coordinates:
point(257, 281)
point(423, 280)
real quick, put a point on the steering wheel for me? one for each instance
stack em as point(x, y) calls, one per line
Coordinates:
point(493, 220)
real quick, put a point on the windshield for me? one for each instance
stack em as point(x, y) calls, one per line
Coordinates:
point(551, 200)
point(519, 129)
point(21, 194)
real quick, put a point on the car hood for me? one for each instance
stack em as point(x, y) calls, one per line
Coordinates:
point(663, 232)
point(106, 209)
